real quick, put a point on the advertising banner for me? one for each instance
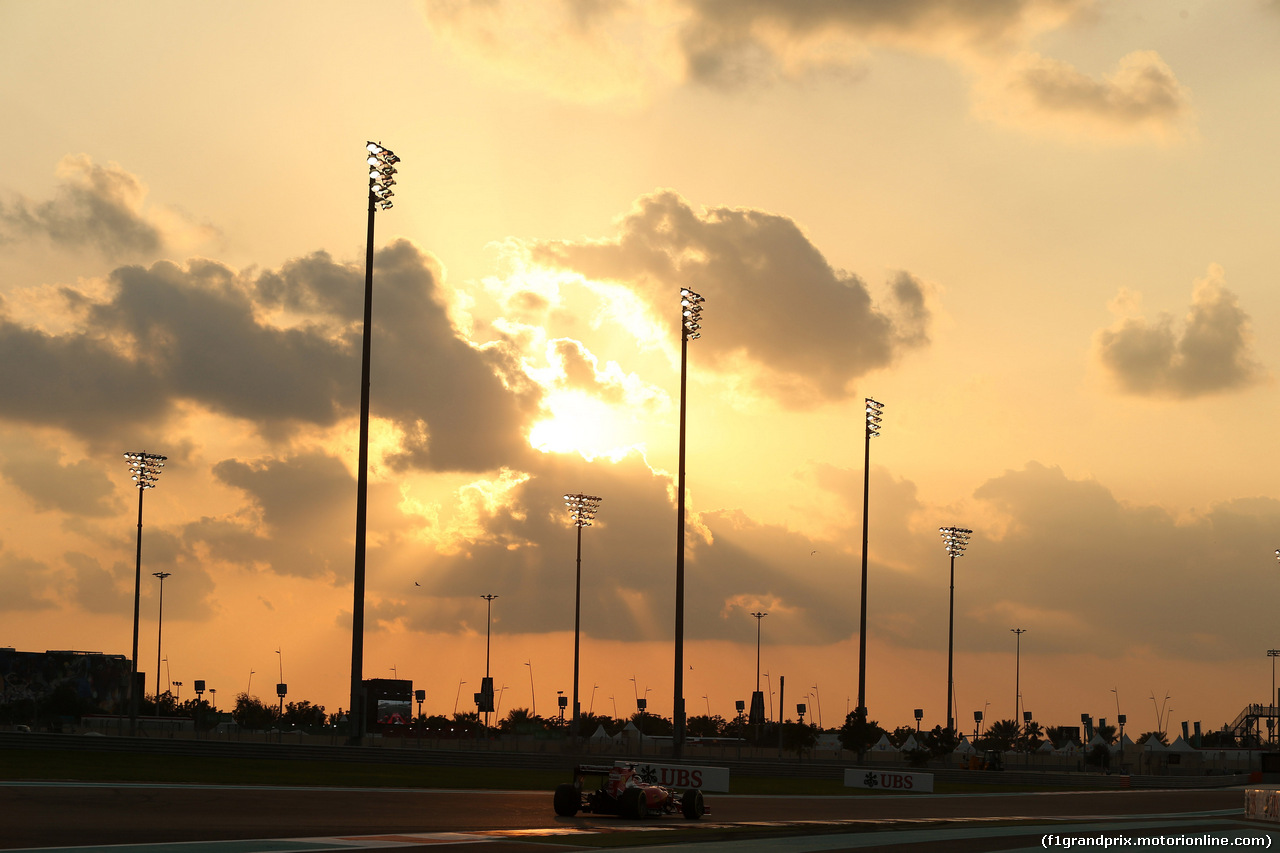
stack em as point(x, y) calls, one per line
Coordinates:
point(891, 781)
point(682, 775)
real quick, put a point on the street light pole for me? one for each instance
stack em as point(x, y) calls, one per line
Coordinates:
point(145, 469)
point(873, 430)
point(690, 317)
point(1017, 670)
point(533, 695)
point(756, 715)
point(159, 633)
point(1271, 702)
point(955, 540)
point(381, 162)
point(759, 614)
point(582, 509)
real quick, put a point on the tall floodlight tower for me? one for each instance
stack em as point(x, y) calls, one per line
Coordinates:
point(381, 162)
point(145, 470)
point(874, 410)
point(690, 324)
point(955, 540)
point(582, 509)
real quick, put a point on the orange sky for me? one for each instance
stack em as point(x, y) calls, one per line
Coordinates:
point(1039, 232)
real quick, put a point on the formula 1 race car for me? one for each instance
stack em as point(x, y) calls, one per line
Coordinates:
point(622, 792)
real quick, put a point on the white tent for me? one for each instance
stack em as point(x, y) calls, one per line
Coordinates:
point(1097, 740)
point(1181, 745)
point(909, 744)
point(1153, 744)
point(884, 745)
point(600, 734)
point(1068, 749)
point(964, 748)
point(1125, 743)
point(1046, 747)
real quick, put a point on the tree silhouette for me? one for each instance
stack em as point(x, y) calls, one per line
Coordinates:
point(1001, 735)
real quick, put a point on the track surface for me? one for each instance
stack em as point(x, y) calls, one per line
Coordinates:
point(79, 815)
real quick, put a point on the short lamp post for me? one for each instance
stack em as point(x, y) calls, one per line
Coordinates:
point(199, 688)
point(757, 698)
point(690, 324)
point(1017, 670)
point(486, 685)
point(955, 540)
point(159, 632)
point(582, 509)
point(381, 162)
point(1271, 702)
point(145, 469)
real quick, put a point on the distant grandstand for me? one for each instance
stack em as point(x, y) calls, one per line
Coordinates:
point(43, 686)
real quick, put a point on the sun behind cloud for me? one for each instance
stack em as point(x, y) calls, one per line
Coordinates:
point(582, 423)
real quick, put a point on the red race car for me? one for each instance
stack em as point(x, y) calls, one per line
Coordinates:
point(623, 792)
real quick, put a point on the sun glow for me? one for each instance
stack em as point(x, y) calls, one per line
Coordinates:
point(584, 424)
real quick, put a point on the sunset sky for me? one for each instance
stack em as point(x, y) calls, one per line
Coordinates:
point(1040, 232)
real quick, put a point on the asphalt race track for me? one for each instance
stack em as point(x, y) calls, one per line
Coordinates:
point(78, 815)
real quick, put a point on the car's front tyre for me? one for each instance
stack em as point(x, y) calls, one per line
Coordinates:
point(692, 805)
point(634, 804)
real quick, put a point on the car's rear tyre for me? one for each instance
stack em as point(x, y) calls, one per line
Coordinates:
point(692, 805)
point(567, 801)
point(634, 804)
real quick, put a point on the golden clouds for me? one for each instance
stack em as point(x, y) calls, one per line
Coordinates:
point(1140, 99)
point(625, 52)
point(1211, 352)
point(101, 207)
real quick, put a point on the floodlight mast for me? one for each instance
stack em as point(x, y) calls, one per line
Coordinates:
point(955, 540)
point(873, 412)
point(381, 162)
point(690, 326)
point(145, 470)
point(582, 509)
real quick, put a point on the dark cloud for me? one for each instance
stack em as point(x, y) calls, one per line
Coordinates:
point(1060, 556)
point(523, 549)
point(97, 206)
point(76, 381)
point(1094, 575)
point(25, 584)
point(96, 590)
point(79, 489)
point(462, 407)
point(1210, 354)
point(196, 329)
point(170, 334)
point(300, 521)
point(809, 330)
